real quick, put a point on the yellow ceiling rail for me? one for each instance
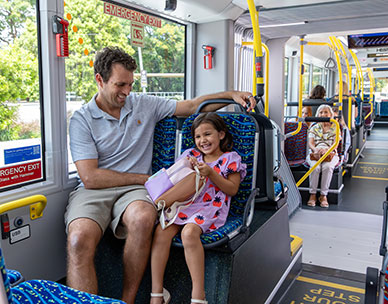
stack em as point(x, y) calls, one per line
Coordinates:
point(349, 78)
point(359, 73)
point(337, 139)
point(340, 84)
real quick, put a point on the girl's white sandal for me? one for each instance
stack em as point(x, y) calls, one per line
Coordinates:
point(165, 295)
point(199, 301)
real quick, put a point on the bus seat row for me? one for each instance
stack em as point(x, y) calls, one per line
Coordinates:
point(41, 291)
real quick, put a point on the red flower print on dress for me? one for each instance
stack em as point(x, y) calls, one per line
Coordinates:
point(199, 219)
point(195, 153)
point(182, 216)
point(207, 197)
point(215, 187)
point(232, 167)
point(212, 227)
point(217, 169)
point(216, 214)
point(217, 202)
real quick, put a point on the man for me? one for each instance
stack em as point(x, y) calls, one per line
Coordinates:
point(111, 144)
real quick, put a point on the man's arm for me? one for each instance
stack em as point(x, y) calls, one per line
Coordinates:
point(97, 178)
point(189, 106)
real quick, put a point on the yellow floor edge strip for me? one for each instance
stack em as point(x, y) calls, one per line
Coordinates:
point(381, 164)
point(329, 284)
point(366, 177)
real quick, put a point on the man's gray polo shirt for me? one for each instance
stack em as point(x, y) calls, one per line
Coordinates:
point(123, 145)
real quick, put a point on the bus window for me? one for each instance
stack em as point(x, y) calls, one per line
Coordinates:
point(158, 46)
point(317, 76)
point(286, 75)
point(21, 147)
point(306, 81)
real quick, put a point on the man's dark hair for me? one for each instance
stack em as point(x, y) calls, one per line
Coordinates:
point(107, 57)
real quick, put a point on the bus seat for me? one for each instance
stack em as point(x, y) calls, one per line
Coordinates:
point(164, 148)
point(42, 291)
point(244, 131)
point(384, 108)
point(295, 147)
point(14, 276)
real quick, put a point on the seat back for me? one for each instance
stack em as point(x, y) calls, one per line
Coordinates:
point(243, 130)
point(165, 144)
point(295, 147)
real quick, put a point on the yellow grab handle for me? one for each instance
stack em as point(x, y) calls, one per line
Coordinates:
point(38, 203)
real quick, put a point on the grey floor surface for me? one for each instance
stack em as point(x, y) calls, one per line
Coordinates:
point(341, 240)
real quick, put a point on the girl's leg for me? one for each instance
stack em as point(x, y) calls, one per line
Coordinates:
point(182, 191)
point(160, 252)
point(195, 259)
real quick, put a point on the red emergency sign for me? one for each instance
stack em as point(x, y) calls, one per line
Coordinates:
point(20, 173)
point(126, 13)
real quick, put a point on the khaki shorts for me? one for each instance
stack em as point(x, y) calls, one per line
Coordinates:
point(104, 206)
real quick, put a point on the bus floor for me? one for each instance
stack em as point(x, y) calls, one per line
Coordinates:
point(345, 238)
point(317, 284)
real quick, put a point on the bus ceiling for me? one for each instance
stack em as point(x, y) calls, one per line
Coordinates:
point(300, 16)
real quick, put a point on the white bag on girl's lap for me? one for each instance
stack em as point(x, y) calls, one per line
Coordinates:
point(165, 179)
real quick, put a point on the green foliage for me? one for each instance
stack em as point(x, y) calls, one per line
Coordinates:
point(18, 53)
point(163, 51)
point(97, 30)
point(13, 15)
point(8, 128)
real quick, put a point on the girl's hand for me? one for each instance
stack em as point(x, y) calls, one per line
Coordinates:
point(204, 169)
point(193, 161)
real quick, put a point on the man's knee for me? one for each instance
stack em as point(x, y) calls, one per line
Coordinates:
point(139, 217)
point(83, 237)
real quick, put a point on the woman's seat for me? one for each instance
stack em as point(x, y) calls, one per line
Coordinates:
point(295, 147)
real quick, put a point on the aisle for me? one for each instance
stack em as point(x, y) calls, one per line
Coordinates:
point(365, 190)
point(347, 236)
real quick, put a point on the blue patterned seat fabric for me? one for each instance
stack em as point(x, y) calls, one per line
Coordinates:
point(164, 144)
point(15, 277)
point(243, 129)
point(46, 292)
point(384, 108)
point(295, 147)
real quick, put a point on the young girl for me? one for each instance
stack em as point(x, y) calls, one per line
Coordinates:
point(222, 171)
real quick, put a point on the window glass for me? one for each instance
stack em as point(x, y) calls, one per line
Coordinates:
point(94, 25)
point(286, 61)
point(306, 81)
point(317, 76)
point(21, 146)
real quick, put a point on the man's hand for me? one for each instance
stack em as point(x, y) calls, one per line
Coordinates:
point(245, 99)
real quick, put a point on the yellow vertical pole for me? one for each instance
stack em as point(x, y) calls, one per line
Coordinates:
point(301, 72)
point(340, 88)
point(257, 48)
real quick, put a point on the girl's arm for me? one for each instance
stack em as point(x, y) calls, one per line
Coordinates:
point(228, 185)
